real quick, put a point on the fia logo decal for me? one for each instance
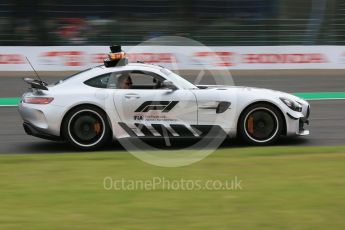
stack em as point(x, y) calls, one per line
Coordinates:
point(138, 117)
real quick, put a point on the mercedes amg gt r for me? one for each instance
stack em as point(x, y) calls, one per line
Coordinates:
point(136, 100)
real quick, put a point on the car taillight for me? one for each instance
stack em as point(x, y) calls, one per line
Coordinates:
point(38, 100)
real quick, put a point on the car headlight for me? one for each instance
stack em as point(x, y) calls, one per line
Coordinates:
point(291, 104)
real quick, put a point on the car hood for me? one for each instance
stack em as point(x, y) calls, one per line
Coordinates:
point(254, 91)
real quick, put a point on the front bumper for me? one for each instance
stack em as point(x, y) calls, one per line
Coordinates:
point(296, 122)
point(302, 122)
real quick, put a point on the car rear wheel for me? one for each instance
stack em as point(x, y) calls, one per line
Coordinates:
point(261, 124)
point(86, 127)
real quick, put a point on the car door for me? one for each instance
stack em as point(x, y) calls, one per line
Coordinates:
point(147, 109)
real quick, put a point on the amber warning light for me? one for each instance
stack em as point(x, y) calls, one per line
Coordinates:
point(116, 57)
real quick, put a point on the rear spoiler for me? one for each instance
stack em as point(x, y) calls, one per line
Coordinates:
point(36, 84)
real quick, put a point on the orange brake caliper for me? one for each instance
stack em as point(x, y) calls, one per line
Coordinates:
point(97, 127)
point(250, 124)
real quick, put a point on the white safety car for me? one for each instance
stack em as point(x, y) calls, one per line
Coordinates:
point(136, 100)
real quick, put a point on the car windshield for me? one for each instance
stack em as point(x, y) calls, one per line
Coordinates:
point(178, 79)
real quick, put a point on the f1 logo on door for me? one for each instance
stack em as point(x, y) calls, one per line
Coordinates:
point(164, 106)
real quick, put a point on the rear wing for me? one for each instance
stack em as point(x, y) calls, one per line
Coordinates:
point(36, 84)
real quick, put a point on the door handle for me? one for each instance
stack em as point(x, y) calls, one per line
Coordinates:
point(132, 95)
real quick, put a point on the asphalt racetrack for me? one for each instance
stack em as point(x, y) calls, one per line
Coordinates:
point(327, 121)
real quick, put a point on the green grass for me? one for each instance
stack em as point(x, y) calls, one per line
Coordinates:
point(282, 188)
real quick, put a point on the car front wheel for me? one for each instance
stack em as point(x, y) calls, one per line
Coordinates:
point(261, 124)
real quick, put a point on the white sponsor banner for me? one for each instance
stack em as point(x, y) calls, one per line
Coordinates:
point(74, 58)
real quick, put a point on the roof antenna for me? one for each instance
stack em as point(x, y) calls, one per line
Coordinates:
point(33, 69)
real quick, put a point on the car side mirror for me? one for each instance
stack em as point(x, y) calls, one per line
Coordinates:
point(169, 85)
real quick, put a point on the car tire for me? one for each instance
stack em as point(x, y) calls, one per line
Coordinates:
point(260, 124)
point(86, 128)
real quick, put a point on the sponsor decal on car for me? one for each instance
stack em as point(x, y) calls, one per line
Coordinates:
point(164, 106)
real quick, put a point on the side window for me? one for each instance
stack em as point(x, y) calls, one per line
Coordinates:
point(127, 80)
point(140, 80)
point(103, 81)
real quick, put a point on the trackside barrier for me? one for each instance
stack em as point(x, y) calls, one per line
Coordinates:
point(75, 58)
